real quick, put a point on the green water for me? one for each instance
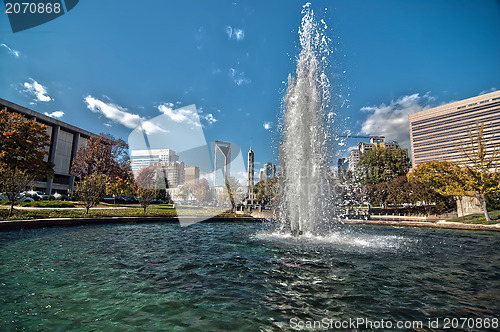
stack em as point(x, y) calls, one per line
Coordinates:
point(238, 277)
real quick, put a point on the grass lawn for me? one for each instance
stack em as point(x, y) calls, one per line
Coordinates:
point(479, 218)
point(108, 210)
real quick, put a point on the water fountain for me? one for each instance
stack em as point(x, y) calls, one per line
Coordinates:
point(306, 150)
point(235, 277)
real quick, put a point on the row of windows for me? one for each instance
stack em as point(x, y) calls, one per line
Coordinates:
point(491, 127)
point(445, 147)
point(470, 119)
point(145, 157)
point(449, 138)
point(447, 116)
point(441, 152)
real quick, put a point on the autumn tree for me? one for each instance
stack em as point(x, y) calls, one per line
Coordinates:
point(482, 166)
point(119, 187)
point(91, 189)
point(23, 144)
point(445, 177)
point(381, 165)
point(103, 154)
point(146, 186)
point(13, 181)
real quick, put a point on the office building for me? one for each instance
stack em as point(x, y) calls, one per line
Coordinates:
point(165, 160)
point(222, 163)
point(268, 171)
point(65, 140)
point(437, 133)
point(354, 158)
point(376, 142)
point(192, 174)
point(145, 158)
point(342, 165)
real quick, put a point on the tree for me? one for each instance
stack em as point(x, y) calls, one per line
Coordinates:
point(229, 195)
point(91, 189)
point(119, 187)
point(381, 165)
point(267, 190)
point(202, 191)
point(103, 154)
point(482, 167)
point(445, 177)
point(14, 181)
point(23, 144)
point(185, 191)
point(146, 186)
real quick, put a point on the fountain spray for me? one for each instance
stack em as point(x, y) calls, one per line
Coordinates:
point(306, 202)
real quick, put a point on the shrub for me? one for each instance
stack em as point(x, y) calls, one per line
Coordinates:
point(48, 204)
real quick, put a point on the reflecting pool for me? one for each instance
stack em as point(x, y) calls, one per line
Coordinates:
point(241, 276)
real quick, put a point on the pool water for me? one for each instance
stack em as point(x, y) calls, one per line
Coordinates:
point(241, 277)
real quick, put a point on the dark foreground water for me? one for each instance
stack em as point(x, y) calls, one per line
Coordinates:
point(237, 277)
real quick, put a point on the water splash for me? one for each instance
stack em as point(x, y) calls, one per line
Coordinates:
point(305, 151)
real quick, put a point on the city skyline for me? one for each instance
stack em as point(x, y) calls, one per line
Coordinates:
point(388, 60)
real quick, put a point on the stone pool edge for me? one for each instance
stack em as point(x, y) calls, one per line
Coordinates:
point(428, 224)
point(7, 225)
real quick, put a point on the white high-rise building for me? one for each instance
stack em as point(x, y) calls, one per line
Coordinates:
point(165, 160)
point(222, 163)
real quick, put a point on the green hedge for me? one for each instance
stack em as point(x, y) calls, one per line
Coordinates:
point(48, 204)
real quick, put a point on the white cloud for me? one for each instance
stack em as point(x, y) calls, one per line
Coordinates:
point(242, 177)
point(238, 77)
point(186, 116)
point(11, 51)
point(210, 118)
point(234, 33)
point(267, 125)
point(56, 114)
point(391, 120)
point(37, 90)
point(121, 115)
point(488, 91)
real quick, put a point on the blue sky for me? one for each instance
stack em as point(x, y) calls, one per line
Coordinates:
point(109, 66)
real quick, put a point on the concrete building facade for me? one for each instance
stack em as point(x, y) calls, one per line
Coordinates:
point(437, 133)
point(65, 139)
point(192, 174)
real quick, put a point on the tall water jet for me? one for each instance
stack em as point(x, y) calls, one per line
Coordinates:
point(305, 152)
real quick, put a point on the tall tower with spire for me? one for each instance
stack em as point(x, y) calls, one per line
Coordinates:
point(250, 169)
point(250, 177)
